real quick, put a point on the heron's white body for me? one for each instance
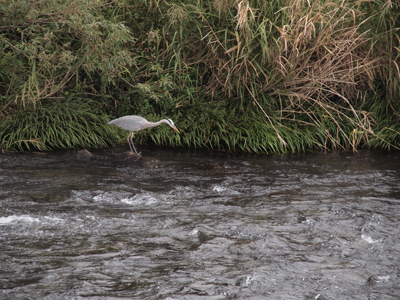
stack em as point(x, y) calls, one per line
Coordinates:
point(133, 123)
point(136, 123)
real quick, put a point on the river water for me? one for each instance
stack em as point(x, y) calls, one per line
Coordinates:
point(199, 225)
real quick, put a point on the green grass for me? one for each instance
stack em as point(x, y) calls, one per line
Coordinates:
point(252, 76)
point(56, 125)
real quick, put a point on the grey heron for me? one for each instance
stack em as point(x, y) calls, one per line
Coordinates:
point(136, 123)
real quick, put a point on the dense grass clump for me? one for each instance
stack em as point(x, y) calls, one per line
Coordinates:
point(252, 76)
point(60, 125)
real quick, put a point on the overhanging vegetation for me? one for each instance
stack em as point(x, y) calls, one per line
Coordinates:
point(249, 76)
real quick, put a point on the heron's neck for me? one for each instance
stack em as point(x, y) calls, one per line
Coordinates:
point(154, 124)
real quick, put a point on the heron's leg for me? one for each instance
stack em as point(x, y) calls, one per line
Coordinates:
point(134, 147)
point(131, 143)
point(129, 140)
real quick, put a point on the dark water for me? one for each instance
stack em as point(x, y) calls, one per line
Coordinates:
point(200, 225)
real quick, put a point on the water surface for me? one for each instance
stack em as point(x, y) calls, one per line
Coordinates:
point(199, 225)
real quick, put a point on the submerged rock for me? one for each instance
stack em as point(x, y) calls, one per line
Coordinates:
point(84, 155)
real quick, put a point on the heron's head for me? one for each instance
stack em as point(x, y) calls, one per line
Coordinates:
point(170, 123)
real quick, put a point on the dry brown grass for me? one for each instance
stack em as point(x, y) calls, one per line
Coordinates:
point(313, 54)
point(324, 61)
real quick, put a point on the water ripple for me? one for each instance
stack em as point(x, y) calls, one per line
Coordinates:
point(191, 225)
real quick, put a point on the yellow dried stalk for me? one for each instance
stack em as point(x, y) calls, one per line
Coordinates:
point(244, 12)
point(321, 59)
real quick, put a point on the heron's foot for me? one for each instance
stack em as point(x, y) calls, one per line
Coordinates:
point(135, 154)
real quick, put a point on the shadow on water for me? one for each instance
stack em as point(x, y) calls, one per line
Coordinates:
point(199, 225)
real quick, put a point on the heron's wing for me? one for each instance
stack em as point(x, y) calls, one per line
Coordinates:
point(131, 123)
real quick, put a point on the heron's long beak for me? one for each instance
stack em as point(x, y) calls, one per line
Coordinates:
point(176, 129)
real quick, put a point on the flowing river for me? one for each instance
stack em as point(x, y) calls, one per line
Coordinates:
point(199, 225)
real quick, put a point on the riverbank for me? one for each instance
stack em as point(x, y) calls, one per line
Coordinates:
point(243, 76)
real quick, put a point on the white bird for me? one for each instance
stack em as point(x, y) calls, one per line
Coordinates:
point(136, 123)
